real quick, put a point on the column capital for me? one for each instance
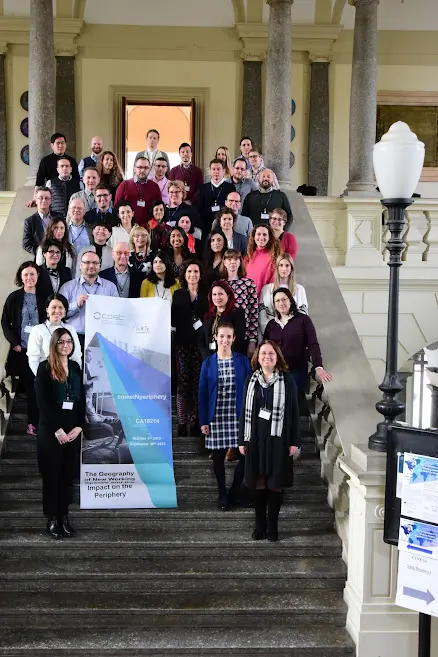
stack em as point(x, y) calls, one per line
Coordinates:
point(279, 2)
point(354, 3)
point(3, 47)
point(320, 57)
point(253, 55)
point(66, 51)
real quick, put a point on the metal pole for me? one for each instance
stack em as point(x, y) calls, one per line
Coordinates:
point(390, 407)
point(424, 635)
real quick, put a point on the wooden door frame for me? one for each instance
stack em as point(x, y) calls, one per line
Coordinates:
point(198, 97)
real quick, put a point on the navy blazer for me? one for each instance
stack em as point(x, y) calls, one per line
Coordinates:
point(240, 243)
point(208, 384)
point(33, 233)
point(135, 280)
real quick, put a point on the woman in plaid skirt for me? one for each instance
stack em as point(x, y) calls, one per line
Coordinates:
point(220, 396)
point(268, 435)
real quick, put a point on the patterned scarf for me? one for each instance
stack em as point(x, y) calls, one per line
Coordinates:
point(278, 403)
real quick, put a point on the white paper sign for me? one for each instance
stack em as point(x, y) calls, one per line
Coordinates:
point(420, 487)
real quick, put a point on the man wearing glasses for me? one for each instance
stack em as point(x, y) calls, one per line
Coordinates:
point(160, 178)
point(242, 225)
point(79, 289)
point(139, 191)
point(239, 179)
point(258, 165)
point(126, 279)
point(103, 212)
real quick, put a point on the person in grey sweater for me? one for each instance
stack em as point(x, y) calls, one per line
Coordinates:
point(242, 183)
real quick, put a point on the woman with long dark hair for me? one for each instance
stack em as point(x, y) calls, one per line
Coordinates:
point(268, 435)
point(56, 231)
point(110, 172)
point(221, 386)
point(177, 248)
point(295, 334)
point(158, 226)
point(123, 225)
point(189, 305)
point(215, 247)
point(61, 403)
point(221, 307)
point(161, 282)
point(23, 309)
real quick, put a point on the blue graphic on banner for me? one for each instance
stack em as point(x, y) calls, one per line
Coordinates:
point(421, 469)
point(418, 536)
point(141, 394)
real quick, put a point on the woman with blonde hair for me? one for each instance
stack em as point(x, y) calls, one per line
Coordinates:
point(284, 276)
point(263, 251)
point(141, 256)
point(110, 171)
point(223, 153)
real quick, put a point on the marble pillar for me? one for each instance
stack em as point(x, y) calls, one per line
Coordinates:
point(319, 123)
point(277, 125)
point(42, 92)
point(363, 99)
point(252, 99)
point(65, 98)
point(3, 132)
point(433, 406)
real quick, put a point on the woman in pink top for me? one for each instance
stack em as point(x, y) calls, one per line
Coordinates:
point(263, 251)
point(277, 221)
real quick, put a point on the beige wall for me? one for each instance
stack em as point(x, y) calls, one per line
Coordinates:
point(16, 83)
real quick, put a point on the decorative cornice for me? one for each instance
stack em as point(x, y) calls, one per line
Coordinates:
point(314, 38)
point(253, 55)
point(15, 29)
point(320, 58)
point(66, 51)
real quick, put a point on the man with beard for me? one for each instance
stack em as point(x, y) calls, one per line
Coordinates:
point(257, 205)
point(93, 159)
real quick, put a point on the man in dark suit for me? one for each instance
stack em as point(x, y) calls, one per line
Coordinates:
point(125, 278)
point(35, 225)
point(51, 275)
point(212, 195)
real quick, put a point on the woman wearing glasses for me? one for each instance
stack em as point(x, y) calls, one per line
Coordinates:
point(61, 403)
point(178, 208)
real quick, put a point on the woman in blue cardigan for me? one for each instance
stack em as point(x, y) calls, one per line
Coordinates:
point(220, 397)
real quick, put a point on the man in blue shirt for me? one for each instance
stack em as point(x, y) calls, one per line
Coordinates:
point(79, 289)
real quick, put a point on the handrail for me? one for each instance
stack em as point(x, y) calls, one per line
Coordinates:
point(353, 392)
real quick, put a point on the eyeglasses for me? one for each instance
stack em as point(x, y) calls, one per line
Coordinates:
point(177, 192)
point(280, 219)
point(57, 253)
point(63, 343)
point(141, 168)
point(253, 157)
point(121, 253)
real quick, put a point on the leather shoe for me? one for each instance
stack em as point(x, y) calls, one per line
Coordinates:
point(258, 535)
point(67, 529)
point(222, 503)
point(54, 528)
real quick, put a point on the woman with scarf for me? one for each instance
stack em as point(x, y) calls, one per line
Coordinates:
point(141, 256)
point(268, 435)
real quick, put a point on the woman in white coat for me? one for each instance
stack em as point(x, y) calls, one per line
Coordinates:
point(284, 277)
point(40, 335)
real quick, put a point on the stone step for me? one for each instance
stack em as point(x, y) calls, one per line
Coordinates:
point(65, 610)
point(319, 641)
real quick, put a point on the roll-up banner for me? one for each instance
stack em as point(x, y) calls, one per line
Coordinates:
point(126, 457)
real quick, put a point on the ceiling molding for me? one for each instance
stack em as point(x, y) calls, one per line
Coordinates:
point(338, 10)
point(239, 11)
point(15, 30)
point(304, 37)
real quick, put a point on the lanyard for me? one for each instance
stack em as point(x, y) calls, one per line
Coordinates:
point(218, 192)
point(139, 190)
point(90, 291)
point(157, 293)
point(171, 214)
point(77, 236)
point(121, 288)
point(265, 392)
point(267, 202)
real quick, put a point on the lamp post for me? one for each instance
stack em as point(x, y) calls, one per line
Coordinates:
point(398, 160)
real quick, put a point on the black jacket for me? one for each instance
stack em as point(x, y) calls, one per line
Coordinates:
point(52, 415)
point(44, 287)
point(135, 280)
point(11, 325)
point(237, 319)
point(256, 203)
point(184, 313)
point(47, 168)
point(93, 216)
point(209, 196)
point(62, 190)
point(184, 210)
point(33, 233)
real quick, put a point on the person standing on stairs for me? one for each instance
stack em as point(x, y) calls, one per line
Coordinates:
point(61, 402)
point(268, 435)
point(220, 399)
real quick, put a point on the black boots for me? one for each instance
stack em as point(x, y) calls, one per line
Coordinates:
point(260, 503)
point(54, 528)
point(274, 505)
point(67, 529)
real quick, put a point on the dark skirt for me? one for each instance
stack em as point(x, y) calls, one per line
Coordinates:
point(268, 457)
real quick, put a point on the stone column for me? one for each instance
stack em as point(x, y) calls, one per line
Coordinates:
point(363, 99)
point(252, 98)
point(279, 90)
point(42, 94)
point(65, 96)
point(434, 406)
point(319, 123)
point(402, 396)
point(3, 132)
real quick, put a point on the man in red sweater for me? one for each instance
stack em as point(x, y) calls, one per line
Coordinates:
point(139, 191)
point(187, 172)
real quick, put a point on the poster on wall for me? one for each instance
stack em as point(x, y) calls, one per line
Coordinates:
point(126, 457)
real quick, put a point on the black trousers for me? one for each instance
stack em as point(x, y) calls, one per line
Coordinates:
point(57, 464)
point(218, 457)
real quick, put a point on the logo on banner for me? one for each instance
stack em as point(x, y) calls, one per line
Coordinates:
point(107, 318)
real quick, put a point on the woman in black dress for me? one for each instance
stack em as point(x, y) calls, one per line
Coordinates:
point(214, 251)
point(221, 307)
point(177, 248)
point(268, 435)
point(23, 309)
point(158, 226)
point(61, 402)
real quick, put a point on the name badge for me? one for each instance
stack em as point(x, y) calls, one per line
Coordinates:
point(215, 208)
point(212, 346)
point(187, 188)
point(141, 204)
point(27, 329)
point(265, 414)
point(265, 215)
point(197, 325)
point(67, 405)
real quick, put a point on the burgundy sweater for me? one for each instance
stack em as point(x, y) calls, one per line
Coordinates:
point(297, 341)
point(133, 192)
point(192, 177)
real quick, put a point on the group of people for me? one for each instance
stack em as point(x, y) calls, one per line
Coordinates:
point(242, 338)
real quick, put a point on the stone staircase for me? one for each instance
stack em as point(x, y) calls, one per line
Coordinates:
point(169, 583)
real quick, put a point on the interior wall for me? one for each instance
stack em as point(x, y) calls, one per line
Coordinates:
point(16, 83)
